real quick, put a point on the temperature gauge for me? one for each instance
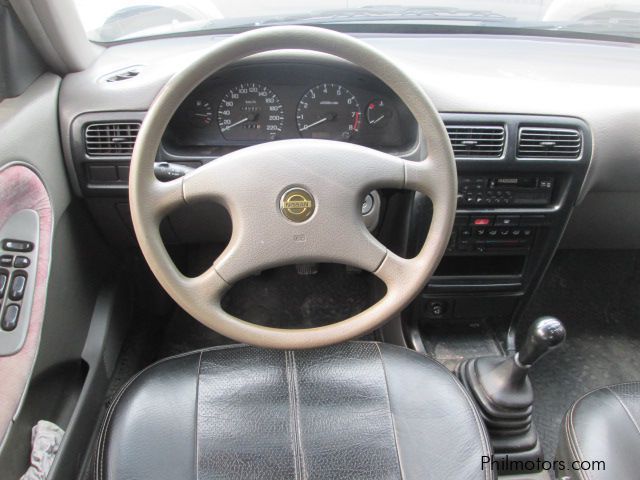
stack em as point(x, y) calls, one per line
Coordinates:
point(378, 114)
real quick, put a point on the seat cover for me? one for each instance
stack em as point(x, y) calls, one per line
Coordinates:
point(602, 430)
point(359, 410)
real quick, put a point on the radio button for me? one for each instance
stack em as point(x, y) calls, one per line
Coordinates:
point(507, 220)
point(481, 221)
point(464, 245)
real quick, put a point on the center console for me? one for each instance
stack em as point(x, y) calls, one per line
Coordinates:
point(513, 207)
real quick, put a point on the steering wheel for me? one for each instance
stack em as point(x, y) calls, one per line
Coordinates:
point(293, 201)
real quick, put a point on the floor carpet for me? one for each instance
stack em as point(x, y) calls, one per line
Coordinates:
point(597, 296)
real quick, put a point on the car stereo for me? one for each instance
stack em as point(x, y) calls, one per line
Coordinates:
point(520, 191)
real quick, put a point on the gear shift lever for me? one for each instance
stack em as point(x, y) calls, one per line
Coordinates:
point(503, 391)
point(544, 334)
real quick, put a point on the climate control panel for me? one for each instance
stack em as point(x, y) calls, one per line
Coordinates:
point(494, 233)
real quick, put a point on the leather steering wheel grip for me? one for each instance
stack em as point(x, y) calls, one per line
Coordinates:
point(250, 182)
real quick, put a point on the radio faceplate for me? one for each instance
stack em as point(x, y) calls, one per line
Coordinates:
point(505, 190)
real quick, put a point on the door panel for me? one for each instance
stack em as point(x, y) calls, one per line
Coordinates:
point(25, 215)
point(31, 173)
point(79, 311)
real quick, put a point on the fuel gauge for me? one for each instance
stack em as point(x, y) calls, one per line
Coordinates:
point(378, 114)
point(200, 113)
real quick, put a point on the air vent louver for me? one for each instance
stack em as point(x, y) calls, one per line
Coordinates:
point(111, 139)
point(552, 143)
point(120, 75)
point(475, 141)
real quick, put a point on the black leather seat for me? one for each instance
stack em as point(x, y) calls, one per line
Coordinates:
point(602, 426)
point(359, 410)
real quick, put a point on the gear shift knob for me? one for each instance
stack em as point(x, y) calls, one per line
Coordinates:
point(544, 334)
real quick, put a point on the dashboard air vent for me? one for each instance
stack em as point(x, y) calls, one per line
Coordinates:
point(124, 74)
point(111, 139)
point(552, 143)
point(476, 141)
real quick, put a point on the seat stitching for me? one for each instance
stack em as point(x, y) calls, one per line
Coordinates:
point(107, 423)
point(197, 409)
point(294, 413)
point(388, 398)
point(572, 437)
point(111, 410)
point(626, 409)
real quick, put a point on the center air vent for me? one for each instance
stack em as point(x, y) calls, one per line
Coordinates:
point(111, 139)
point(552, 143)
point(475, 141)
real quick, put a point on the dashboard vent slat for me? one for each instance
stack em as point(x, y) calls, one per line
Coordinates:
point(111, 139)
point(477, 141)
point(124, 74)
point(549, 143)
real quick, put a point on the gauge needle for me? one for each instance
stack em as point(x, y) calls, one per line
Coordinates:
point(239, 122)
point(377, 120)
point(202, 114)
point(307, 127)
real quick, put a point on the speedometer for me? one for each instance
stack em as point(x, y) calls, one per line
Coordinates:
point(250, 112)
point(328, 111)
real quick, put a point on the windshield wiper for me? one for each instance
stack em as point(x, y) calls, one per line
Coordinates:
point(386, 13)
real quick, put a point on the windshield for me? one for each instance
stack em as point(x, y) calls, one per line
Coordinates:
point(118, 20)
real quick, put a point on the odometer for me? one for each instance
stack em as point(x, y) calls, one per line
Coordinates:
point(328, 111)
point(250, 112)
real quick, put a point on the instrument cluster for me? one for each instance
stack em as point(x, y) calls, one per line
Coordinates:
point(262, 103)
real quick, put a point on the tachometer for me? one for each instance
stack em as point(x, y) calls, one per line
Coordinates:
point(250, 112)
point(328, 111)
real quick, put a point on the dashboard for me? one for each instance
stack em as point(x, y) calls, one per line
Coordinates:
point(258, 103)
point(542, 132)
point(482, 80)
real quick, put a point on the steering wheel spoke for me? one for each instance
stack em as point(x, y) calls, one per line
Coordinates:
point(213, 181)
point(427, 177)
point(209, 286)
point(393, 272)
point(163, 197)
